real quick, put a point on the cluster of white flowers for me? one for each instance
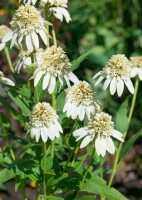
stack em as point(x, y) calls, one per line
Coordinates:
point(28, 27)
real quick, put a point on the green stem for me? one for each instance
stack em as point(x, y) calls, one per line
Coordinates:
point(106, 101)
point(75, 154)
point(53, 142)
point(8, 58)
point(44, 169)
point(37, 192)
point(121, 143)
point(85, 174)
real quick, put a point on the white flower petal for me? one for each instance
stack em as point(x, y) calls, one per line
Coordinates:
point(116, 134)
point(73, 78)
point(46, 81)
point(98, 74)
point(43, 36)
point(7, 81)
point(7, 37)
point(37, 134)
point(29, 43)
point(44, 134)
point(106, 83)
point(120, 87)
point(129, 85)
point(102, 147)
point(81, 112)
point(2, 45)
point(38, 77)
point(13, 41)
point(35, 39)
point(134, 71)
point(110, 145)
point(67, 80)
point(140, 74)
point(97, 146)
point(99, 80)
point(86, 141)
point(113, 86)
point(52, 84)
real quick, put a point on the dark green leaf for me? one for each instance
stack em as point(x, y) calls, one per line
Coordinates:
point(76, 63)
point(46, 163)
point(97, 185)
point(88, 198)
point(6, 174)
point(121, 117)
point(18, 101)
point(54, 198)
point(128, 145)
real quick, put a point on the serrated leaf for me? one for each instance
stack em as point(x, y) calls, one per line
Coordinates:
point(24, 108)
point(121, 117)
point(76, 63)
point(97, 185)
point(128, 145)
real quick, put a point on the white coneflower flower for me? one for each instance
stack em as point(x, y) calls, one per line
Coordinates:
point(26, 59)
point(33, 2)
point(80, 101)
point(53, 63)
point(136, 66)
point(117, 73)
point(27, 25)
point(3, 30)
point(99, 129)
point(44, 122)
point(58, 8)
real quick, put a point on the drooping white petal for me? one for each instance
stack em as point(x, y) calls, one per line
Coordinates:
point(86, 141)
point(33, 132)
point(51, 133)
point(134, 71)
point(67, 104)
point(97, 146)
point(52, 84)
point(129, 85)
point(35, 39)
point(7, 81)
point(67, 80)
point(44, 134)
point(113, 86)
point(73, 78)
point(106, 83)
point(29, 43)
point(46, 81)
point(7, 36)
point(82, 135)
point(99, 80)
point(102, 147)
point(43, 36)
point(81, 112)
point(38, 77)
point(98, 74)
point(37, 134)
point(110, 145)
point(120, 87)
point(13, 40)
point(58, 125)
point(116, 134)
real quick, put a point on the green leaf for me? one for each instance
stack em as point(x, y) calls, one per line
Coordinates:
point(48, 163)
point(54, 180)
point(128, 145)
point(121, 117)
point(25, 110)
point(6, 174)
point(97, 185)
point(76, 63)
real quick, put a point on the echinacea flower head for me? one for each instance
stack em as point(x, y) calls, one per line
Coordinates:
point(117, 73)
point(3, 30)
point(80, 101)
point(26, 59)
point(44, 122)
point(136, 66)
point(27, 27)
point(99, 129)
point(53, 63)
point(58, 8)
